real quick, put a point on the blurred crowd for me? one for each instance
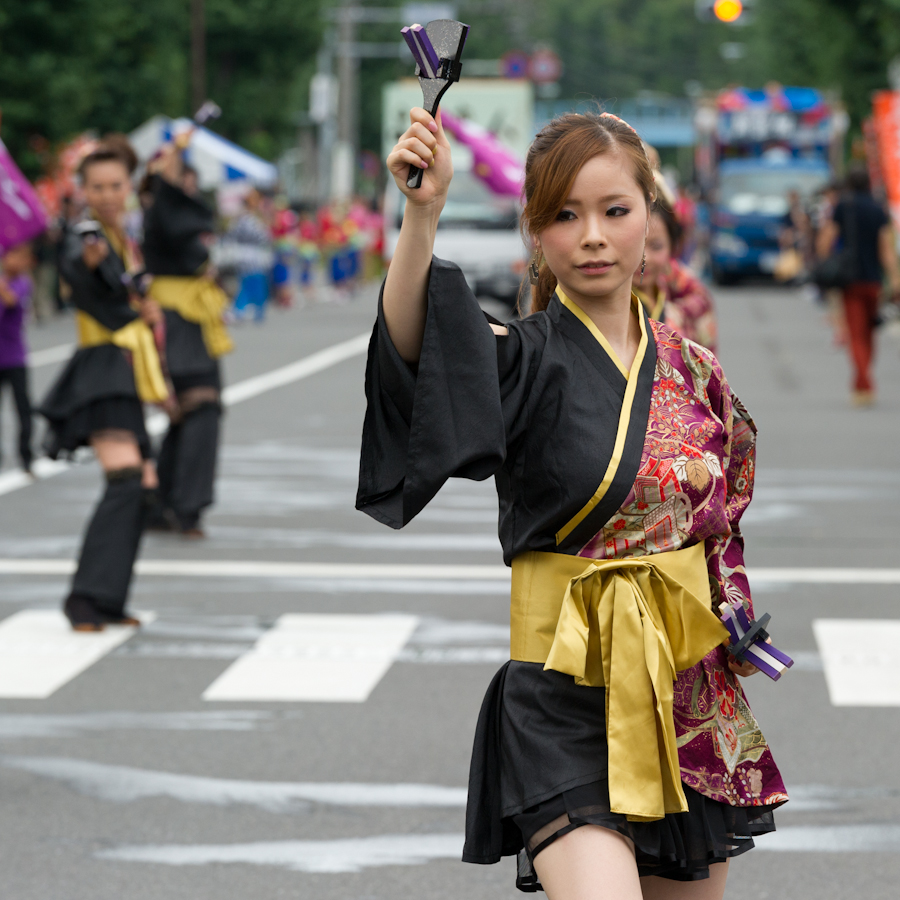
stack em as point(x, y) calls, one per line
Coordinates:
point(266, 252)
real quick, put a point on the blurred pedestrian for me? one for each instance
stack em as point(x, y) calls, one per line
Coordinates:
point(862, 230)
point(16, 288)
point(672, 292)
point(252, 240)
point(178, 231)
point(98, 398)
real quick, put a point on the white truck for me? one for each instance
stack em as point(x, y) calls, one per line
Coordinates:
point(479, 230)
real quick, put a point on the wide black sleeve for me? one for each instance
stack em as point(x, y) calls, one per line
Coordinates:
point(174, 227)
point(444, 417)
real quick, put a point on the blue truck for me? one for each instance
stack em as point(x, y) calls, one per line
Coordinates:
point(756, 147)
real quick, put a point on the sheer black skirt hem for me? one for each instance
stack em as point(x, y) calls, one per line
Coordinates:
point(680, 847)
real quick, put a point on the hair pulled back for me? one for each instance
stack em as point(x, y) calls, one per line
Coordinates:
point(554, 160)
point(111, 148)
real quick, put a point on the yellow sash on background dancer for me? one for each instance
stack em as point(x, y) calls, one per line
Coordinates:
point(629, 625)
point(136, 337)
point(198, 300)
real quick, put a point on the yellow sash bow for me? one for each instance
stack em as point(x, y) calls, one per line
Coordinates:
point(631, 625)
point(199, 300)
point(138, 339)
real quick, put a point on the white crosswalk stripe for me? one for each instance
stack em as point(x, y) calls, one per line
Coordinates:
point(39, 652)
point(316, 658)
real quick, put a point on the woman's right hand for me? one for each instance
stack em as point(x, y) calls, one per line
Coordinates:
point(423, 145)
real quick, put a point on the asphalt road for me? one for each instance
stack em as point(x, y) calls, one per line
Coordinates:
point(126, 783)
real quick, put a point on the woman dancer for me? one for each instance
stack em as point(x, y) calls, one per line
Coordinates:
point(669, 289)
point(616, 752)
point(97, 400)
point(178, 228)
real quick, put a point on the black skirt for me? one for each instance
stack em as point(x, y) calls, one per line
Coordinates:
point(539, 769)
point(65, 436)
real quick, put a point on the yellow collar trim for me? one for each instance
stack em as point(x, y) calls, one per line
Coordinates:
point(588, 323)
point(624, 415)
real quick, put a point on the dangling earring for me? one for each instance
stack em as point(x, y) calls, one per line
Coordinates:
point(643, 264)
point(534, 271)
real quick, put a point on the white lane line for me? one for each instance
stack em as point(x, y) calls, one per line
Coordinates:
point(59, 353)
point(41, 468)
point(860, 660)
point(42, 725)
point(235, 393)
point(331, 857)
point(884, 838)
point(39, 652)
point(125, 784)
point(268, 381)
point(324, 658)
point(357, 854)
point(230, 568)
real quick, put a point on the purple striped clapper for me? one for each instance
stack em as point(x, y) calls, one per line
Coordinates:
point(749, 640)
point(422, 50)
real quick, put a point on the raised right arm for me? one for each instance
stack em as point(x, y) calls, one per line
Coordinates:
point(405, 299)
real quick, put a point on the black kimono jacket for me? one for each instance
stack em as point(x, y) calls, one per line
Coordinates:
point(553, 413)
point(174, 229)
point(93, 373)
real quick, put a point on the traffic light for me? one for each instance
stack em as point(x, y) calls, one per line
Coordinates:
point(728, 10)
point(732, 12)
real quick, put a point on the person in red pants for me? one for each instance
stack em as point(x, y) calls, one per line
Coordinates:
point(861, 225)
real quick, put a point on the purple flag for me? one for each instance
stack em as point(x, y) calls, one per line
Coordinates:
point(22, 216)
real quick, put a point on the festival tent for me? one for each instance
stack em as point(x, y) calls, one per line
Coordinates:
point(216, 159)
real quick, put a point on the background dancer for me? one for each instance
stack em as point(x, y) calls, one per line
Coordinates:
point(669, 288)
point(178, 228)
point(97, 400)
point(606, 786)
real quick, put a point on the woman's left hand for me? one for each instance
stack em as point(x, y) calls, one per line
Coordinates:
point(745, 669)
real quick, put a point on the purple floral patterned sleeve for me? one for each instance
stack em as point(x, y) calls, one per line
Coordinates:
point(695, 481)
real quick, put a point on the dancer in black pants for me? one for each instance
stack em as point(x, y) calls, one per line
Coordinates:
point(178, 228)
point(97, 400)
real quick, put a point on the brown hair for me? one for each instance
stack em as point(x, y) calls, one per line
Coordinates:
point(673, 226)
point(112, 148)
point(554, 159)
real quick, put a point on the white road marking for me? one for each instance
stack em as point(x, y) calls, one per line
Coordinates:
point(39, 652)
point(41, 468)
point(235, 393)
point(860, 660)
point(50, 355)
point(368, 572)
point(357, 854)
point(268, 381)
point(336, 659)
point(348, 855)
point(882, 838)
point(31, 725)
point(125, 784)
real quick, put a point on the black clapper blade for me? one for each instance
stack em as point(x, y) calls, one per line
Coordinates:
point(448, 37)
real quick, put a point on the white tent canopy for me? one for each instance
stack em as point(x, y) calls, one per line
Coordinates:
point(216, 160)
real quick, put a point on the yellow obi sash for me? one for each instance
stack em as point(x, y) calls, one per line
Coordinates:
point(199, 300)
point(135, 337)
point(631, 625)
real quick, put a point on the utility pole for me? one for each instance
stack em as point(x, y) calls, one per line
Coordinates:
point(198, 54)
point(344, 154)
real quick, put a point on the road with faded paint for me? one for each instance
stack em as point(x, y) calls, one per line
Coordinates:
point(295, 718)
